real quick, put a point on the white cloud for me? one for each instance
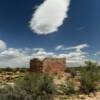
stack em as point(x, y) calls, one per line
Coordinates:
point(78, 47)
point(2, 45)
point(59, 47)
point(13, 57)
point(49, 16)
point(76, 56)
point(42, 54)
point(97, 53)
point(38, 49)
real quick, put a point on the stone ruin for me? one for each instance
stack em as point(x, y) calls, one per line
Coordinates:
point(36, 65)
point(48, 65)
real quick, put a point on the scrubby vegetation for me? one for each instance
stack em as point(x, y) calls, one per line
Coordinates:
point(33, 86)
point(69, 87)
point(8, 69)
point(90, 77)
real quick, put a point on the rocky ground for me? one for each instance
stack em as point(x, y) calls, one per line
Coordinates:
point(8, 78)
point(79, 96)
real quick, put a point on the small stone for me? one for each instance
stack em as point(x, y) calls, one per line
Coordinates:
point(81, 96)
point(91, 95)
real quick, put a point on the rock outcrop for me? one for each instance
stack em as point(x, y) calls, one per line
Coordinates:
point(48, 65)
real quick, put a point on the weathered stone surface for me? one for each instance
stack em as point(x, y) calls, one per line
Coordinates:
point(54, 65)
point(81, 97)
point(48, 65)
point(91, 95)
point(36, 65)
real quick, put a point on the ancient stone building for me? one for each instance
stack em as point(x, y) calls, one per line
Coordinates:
point(54, 65)
point(48, 65)
point(36, 65)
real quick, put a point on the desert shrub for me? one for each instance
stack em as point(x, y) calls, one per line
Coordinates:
point(31, 87)
point(89, 78)
point(8, 69)
point(69, 87)
point(38, 85)
point(1, 70)
point(72, 71)
point(6, 93)
point(67, 70)
point(87, 85)
point(23, 70)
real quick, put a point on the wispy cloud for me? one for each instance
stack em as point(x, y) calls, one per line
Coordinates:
point(81, 28)
point(59, 47)
point(49, 16)
point(38, 49)
point(97, 53)
point(76, 55)
point(2, 45)
point(78, 47)
point(14, 57)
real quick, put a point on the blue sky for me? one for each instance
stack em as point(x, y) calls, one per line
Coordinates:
point(82, 27)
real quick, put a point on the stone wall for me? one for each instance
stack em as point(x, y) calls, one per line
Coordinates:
point(48, 65)
point(54, 65)
point(36, 65)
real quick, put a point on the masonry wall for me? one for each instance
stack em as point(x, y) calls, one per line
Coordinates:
point(54, 65)
point(36, 65)
point(48, 65)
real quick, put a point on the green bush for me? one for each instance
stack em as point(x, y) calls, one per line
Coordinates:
point(9, 93)
point(89, 77)
point(72, 71)
point(69, 87)
point(87, 85)
point(31, 87)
